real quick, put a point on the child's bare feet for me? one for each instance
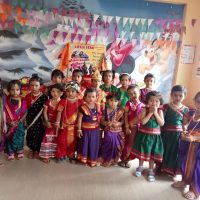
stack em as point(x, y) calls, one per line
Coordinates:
point(30, 154)
point(20, 156)
point(46, 160)
point(190, 195)
point(36, 154)
point(11, 157)
point(179, 184)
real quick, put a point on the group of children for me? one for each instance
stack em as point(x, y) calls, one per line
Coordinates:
point(100, 124)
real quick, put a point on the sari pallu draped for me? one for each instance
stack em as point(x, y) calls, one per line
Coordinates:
point(133, 110)
point(15, 134)
point(88, 144)
point(67, 138)
point(113, 142)
point(35, 133)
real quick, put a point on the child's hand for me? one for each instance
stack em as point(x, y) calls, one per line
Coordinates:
point(109, 123)
point(155, 110)
point(128, 130)
point(48, 124)
point(14, 123)
point(56, 125)
point(79, 133)
point(151, 110)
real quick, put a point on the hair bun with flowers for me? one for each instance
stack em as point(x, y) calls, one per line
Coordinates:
point(72, 84)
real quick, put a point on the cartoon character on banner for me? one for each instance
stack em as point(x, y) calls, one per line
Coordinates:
point(119, 54)
point(158, 53)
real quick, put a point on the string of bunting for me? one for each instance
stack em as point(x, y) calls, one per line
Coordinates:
point(23, 17)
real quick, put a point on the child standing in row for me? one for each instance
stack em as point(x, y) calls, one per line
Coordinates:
point(15, 112)
point(108, 77)
point(149, 81)
point(174, 116)
point(77, 76)
point(189, 152)
point(133, 109)
point(52, 122)
point(124, 81)
point(148, 144)
point(67, 134)
point(88, 130)
point(113, 142)
point(35, 128)
point(101, 95)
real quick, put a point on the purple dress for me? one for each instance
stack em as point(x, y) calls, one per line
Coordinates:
point(189, 153)
point(113, 142)
point(143, 93)
point(88, 144)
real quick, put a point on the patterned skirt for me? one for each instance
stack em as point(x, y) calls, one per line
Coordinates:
point(148, 147)
point(49, 144)
point(111, 148)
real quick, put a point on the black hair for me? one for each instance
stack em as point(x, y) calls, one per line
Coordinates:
point(108, 71)
point(113, 95)
point(197, 95)
point(149, 75)
point(124, 74)
point(57, 72)
point(154, 94)
point(78, 71)
point(89, 90)
point(35, 77)
point(13, 82)
point(57, 86)
point(132, 86)
point(179, 88)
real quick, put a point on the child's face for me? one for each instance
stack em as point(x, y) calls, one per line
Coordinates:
point(95, 83)
point(34, 86)
point(91, 97)
point(71, 93)
point(57, 79)
point(197, 103)
point(56, 93)
point(124, 81)
point(177, 97)
point(77, 77)
point(133, 94)
point(149, 82)
point(112, 103)
point(154, 102)
point(108, 78)
point(14, 91)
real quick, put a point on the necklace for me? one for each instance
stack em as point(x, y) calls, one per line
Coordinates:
point(177, 107)
point(93, 112)
point(109, 114)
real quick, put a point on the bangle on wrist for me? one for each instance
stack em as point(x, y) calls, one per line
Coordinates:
point(79, 130)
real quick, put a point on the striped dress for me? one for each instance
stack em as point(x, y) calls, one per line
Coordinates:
point(49, 142)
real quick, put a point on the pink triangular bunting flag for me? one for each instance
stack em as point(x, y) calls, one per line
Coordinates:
point(73, 35)
point(87, 38)
point(80, 37)
point(55, 34)
point(64, 34)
